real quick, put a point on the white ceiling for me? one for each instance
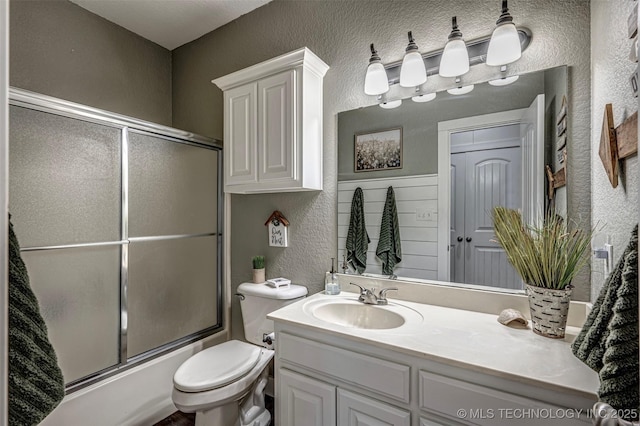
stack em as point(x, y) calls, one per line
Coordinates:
point(170, 23)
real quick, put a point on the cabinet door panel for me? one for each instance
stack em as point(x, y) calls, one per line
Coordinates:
point(492, 179)
point(276, 137)
point(240, 135)
point(357, 410)
point(305, 401)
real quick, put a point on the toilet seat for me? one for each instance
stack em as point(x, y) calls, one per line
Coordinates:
point(191, 402)
point(217, 366)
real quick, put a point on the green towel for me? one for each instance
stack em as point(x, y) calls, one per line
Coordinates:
point(36, 385)
point(608, 342)
point(389, 249)
point(357, 237)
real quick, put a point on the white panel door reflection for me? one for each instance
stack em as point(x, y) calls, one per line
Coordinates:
point(480, 180)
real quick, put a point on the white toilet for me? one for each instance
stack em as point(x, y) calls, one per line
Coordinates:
point(224, 385)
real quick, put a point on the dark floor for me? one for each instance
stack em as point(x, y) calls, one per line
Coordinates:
point(188, 419)
point(178, 419)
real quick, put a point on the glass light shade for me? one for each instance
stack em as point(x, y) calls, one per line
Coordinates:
point(461, 90)
point(376, 81)
point(391, 104)
point(504, 46)
point(455, 59)
point(504, 81)
point(412, 73)
point(424, 98)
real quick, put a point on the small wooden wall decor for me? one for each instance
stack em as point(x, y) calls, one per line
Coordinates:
point(561, 119)
point(277, 224)
point(561, 123)
point(617, 143)
point(558, 179)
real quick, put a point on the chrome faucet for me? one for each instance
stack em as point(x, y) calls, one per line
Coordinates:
point(368, 295)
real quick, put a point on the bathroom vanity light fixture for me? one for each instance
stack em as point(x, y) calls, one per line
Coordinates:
point(426, 97)
point(412, 72)
point(376, 81)
point(455, 57)
point(391, 104)
point(461, 90)
point(504, 46)
point(504, 81)
point(497, 49)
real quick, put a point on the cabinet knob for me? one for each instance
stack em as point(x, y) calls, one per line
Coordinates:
point(468, 239)
point(459, 239)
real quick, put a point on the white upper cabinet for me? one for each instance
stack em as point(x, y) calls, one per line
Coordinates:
point(240, 114)
point(273, 125)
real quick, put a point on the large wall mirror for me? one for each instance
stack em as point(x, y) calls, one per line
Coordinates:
point(450, 161)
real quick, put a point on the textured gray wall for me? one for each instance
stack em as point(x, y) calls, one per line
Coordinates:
point(62, 50)
point(340, 33)
point(615, 210)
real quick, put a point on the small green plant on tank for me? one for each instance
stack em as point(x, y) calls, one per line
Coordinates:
point(258, 269)
point(258, 262)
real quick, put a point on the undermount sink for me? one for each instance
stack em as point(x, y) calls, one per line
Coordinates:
point(354, 314)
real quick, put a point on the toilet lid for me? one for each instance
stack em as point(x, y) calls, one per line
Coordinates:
point(216, 366)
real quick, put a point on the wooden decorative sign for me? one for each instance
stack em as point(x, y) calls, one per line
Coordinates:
point(627, 137)
point(278, 234)
point(558, 179)
point(617, 143)
point(608, 147)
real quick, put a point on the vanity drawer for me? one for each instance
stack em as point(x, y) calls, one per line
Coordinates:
point(469, 403)
point(376, 375)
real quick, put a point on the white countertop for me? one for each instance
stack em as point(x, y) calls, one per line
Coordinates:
point(465, 339)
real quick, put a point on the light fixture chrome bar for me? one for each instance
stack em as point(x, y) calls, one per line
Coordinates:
point(124, 251)
point(37, 101)
point(79, 245)
point(170, 237)
point(477, 55)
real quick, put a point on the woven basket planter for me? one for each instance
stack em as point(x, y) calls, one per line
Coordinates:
point(259, 276)
point(549, 310)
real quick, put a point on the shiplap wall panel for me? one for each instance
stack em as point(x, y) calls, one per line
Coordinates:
point(419, 238)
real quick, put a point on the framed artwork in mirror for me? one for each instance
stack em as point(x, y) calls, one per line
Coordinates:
point(378, 150)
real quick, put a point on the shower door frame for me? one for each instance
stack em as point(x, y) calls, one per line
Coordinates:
point(38, 102)
point(4, 202)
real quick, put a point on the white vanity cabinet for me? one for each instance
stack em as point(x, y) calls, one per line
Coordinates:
point(305, 401)
point(273, 125)
point(311, 402)
point(325, 379)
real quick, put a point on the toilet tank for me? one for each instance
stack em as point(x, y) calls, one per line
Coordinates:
point(260, 300)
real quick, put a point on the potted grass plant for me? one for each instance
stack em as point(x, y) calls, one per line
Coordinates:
point(547, 258)
point(258, 269)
